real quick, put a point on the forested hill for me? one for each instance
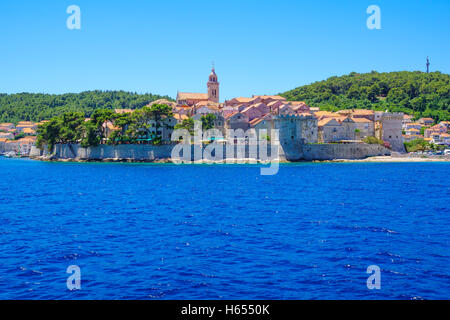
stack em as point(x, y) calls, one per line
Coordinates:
point(37, 107)
point(417, 93)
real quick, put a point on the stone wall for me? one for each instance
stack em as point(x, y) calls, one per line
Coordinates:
point(107, 152)
point(290, 152)
point(155, 153)
point(311, 152)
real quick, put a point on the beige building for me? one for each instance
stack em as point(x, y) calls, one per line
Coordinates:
point(212, 95)
point(236, 121)
point(390, 130)
point(335, 129)
point(365, 127)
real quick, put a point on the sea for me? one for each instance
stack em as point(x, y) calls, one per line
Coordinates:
point(164, 231)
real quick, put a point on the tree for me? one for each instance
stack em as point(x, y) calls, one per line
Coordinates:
point(100, 117)
point(373, 92)
point(160, 111)
point(408, 92)
point(372, 140)
point(90, 136)
point(208, 121)
point(37, 107)
point(187, 124)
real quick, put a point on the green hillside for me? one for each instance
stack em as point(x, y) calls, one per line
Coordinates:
point(37, 107)
point(418, 93)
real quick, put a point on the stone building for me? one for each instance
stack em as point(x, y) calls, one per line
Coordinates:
point(264, 122)
point(252, 112)
point(336, 129)
point(238, 101)
point(426, 121)
point(7, 126)
point(190, 99)
point(365, 127)
point(237, 121)
point(296, 129)
point(391, 130)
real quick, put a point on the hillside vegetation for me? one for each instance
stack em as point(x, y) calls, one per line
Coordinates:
point(37, 107)
point(417, 93)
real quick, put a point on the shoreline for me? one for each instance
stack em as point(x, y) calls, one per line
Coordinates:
point(375, 159)
point(391, 159)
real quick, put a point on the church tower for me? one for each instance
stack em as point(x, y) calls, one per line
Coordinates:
point(213, 87)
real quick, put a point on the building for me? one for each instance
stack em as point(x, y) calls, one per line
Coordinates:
point(205, 108)
point(406, 119)
point(413, 132)
point(336, 129)
point(300, 107)
point(24, 145)
point(296, 129)
point(29, 131)
point(391, 130)
point(365, 127)
point(284, 110)
point(446, 124)
point(238, 101)
point(413, 125)
point(445, 139)
point(411, 137)
point(22, 125)
point(439, 128)
point(7, 126)
point(263, 123)
point(7, 135)
point(320, 115)
point(252, 112)
point(267, 99)
point(237, 121)
point(436, 138)
point(358, 114)
point(228, 110)
point(426, 121)
point(190, 99)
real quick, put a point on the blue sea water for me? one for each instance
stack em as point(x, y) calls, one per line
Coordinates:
point(145, 231)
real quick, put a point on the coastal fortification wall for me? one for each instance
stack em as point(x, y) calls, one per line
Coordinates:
point(305, 152)
point(330, 151)
point(107, 152)
point(153, 153)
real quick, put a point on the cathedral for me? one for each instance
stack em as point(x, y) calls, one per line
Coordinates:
point(191, 99)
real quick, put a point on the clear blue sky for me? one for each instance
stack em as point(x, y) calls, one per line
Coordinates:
point(259, 47)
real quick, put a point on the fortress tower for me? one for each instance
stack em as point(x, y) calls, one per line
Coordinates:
point(391, 126)
point(213, 87)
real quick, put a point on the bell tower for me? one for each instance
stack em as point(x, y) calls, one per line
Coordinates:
point(213, 86)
